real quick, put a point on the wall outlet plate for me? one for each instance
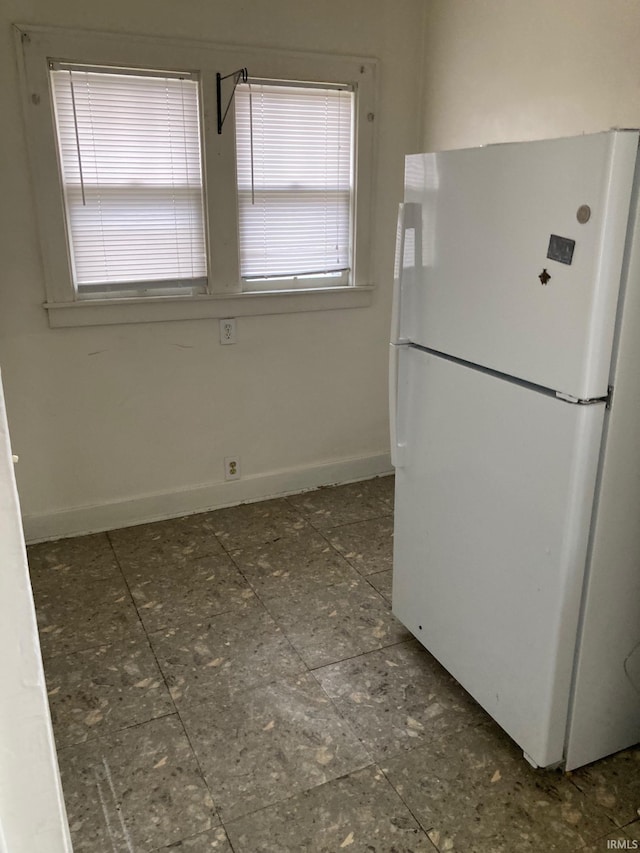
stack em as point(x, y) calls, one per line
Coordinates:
point(232, 467)
point(228, 331)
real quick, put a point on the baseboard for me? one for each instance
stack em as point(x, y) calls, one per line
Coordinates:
point(80, 520)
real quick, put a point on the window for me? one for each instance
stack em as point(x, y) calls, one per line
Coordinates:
point(129, 146)
point(146, 213)
point(295, 183)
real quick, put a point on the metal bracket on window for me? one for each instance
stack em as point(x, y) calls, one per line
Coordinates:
point(240, 75)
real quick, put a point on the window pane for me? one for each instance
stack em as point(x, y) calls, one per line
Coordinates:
point(295, 179)
point(131, 168)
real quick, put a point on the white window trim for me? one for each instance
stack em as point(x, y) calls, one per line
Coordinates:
point(225, 297)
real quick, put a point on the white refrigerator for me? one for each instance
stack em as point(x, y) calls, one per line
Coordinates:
point(515, 433)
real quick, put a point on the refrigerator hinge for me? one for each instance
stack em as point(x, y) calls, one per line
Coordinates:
point(567, 397)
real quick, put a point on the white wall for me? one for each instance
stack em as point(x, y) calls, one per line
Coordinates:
point(117, 424)
point(502, 70)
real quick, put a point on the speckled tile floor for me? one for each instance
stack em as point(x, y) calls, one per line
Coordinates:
point(234, 681)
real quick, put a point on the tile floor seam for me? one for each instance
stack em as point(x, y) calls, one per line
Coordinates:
point(325, 586)
point(227, 549)
point(596, 838)
point(320, 489)
point(189, 704)
point(47, 656)
point(164, 679)
point(602, 809)
point(296, 794)
point(345, 726)
point(366, 578)
point(327, 527)
point(193, 620)
point(335, 551)
point(283, 537)
point(271, 616)
point(292, 796)
point(126, 582)
point(410, 810)
point(314, 669)
point(146, 633)
point(282, 628)
point(177, 710)
point(339, 660)
point(375, 574)
point(351, 523)
point(333, 547)
point(392, 754)
point(375, 769)
point(589, 840)
point(222, 544)
point(191, 838)
point(121, 794)
point(345, 720)
point(614, 827)
point(255, 590)
point(116, 730)
point(200, 770)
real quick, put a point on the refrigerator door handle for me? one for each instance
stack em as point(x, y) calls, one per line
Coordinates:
point(409, 217)
point(396, 430)
point(397, 274)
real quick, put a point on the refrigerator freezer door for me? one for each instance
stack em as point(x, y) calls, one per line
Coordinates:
point(512, 276)
point(493, 507)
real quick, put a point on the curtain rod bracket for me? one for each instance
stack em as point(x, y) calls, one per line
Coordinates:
point(240, 75)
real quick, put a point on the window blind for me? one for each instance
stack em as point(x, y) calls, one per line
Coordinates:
point(129, 148)
point(295, 180)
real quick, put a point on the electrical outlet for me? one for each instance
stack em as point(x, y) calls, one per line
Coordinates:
point(232, 468)
point(228, 331)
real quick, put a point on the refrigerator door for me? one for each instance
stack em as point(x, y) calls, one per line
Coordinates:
point(494, 495)
point(521, 253)
point(605, 715)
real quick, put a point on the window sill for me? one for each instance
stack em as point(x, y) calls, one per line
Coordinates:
point(159, 309)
